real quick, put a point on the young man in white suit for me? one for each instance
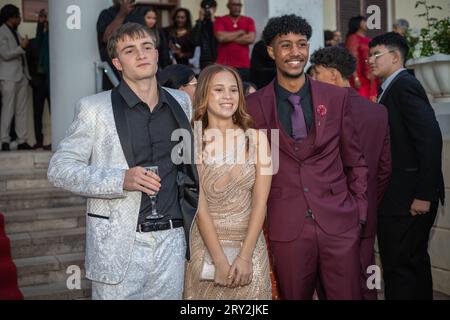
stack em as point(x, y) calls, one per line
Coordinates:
point(115, 135)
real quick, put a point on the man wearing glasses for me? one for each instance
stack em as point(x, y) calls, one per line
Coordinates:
point(235, 33)
point(408, 208)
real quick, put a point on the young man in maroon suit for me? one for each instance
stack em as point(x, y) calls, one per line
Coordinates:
point(318, 197)
point(335, 65)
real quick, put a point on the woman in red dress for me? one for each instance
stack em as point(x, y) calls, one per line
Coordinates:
point(358, 44)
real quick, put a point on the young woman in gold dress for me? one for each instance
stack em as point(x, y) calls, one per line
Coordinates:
point(235, 176)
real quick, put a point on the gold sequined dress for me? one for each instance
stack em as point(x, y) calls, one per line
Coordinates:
point(228, 190)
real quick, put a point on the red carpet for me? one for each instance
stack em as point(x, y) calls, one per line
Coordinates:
point(8, 273)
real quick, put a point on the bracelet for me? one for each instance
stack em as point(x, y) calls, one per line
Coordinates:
point(246, 260)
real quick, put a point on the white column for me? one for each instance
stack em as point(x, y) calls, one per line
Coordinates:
point(311, 10)
point(73, 53)
point(259, 11)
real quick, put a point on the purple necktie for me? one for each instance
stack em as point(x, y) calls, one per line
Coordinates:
point(299, 131)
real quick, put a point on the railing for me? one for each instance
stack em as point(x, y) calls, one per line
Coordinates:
point(101, 68)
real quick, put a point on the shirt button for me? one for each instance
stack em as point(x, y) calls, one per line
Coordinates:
point(306, 189)
point(296, 148)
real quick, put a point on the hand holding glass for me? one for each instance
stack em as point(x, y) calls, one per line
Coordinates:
point(154, 215)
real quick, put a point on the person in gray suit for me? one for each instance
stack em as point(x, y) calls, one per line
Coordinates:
point(14, 78)
point(135, 248)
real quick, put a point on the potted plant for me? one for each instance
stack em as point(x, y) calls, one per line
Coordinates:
point(430, 54)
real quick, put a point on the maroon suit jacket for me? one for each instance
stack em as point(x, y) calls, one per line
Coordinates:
point(326, 173)
point(372, 125)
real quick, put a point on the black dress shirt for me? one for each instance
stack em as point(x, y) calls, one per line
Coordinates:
point(285, 108)
point(152, 146)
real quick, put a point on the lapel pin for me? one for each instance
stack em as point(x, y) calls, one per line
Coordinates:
point(321, 110)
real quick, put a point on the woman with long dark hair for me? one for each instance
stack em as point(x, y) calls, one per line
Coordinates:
point(178, 36)
point(358, 44)
point(151, 18)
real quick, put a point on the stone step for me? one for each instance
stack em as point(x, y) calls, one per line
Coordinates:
point(47, 269)
point(57, 291)
point(23, 179)
point(31, 220)
point(47, 243)
point(38, 198)
point(14, 160)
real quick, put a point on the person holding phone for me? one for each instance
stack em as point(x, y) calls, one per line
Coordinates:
point(203, 33)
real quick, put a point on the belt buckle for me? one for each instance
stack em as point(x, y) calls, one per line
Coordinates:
point(140, 228)
point(171, 224)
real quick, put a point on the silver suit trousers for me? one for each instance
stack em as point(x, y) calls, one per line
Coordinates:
point(155, 272)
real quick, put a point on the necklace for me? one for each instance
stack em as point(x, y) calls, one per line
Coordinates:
point(235, 21)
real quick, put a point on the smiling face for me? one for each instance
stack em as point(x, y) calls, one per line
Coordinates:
point(223, 96)
point(137, 59)
point(290, 52)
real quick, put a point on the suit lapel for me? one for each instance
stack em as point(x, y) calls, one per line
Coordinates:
point(318, 102)
point(178, 112)
point(122, 128)
point(386, 92)
point(183, 123)
point(268, 105)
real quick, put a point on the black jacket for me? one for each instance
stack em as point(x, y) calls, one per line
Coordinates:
point(416, 144)
point(202, 35)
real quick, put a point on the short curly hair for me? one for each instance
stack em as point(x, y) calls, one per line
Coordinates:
point(335, 57)
point(286, 24)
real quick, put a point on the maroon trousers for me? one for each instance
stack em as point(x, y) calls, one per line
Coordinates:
point(335, 259)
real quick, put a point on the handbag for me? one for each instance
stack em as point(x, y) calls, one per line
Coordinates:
point(231, 250)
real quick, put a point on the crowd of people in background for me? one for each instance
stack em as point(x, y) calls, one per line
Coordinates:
point(23, 62)
point(225, 40)
point(195, 44)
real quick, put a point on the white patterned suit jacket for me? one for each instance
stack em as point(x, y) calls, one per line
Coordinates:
point(90, 162)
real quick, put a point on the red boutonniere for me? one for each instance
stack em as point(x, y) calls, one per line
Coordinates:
point(321, 110)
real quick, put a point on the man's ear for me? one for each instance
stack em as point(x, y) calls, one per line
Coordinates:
point(397, 57)
point(270, 52)
point(334, 73)
point(117, 64)
point(337, 76)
